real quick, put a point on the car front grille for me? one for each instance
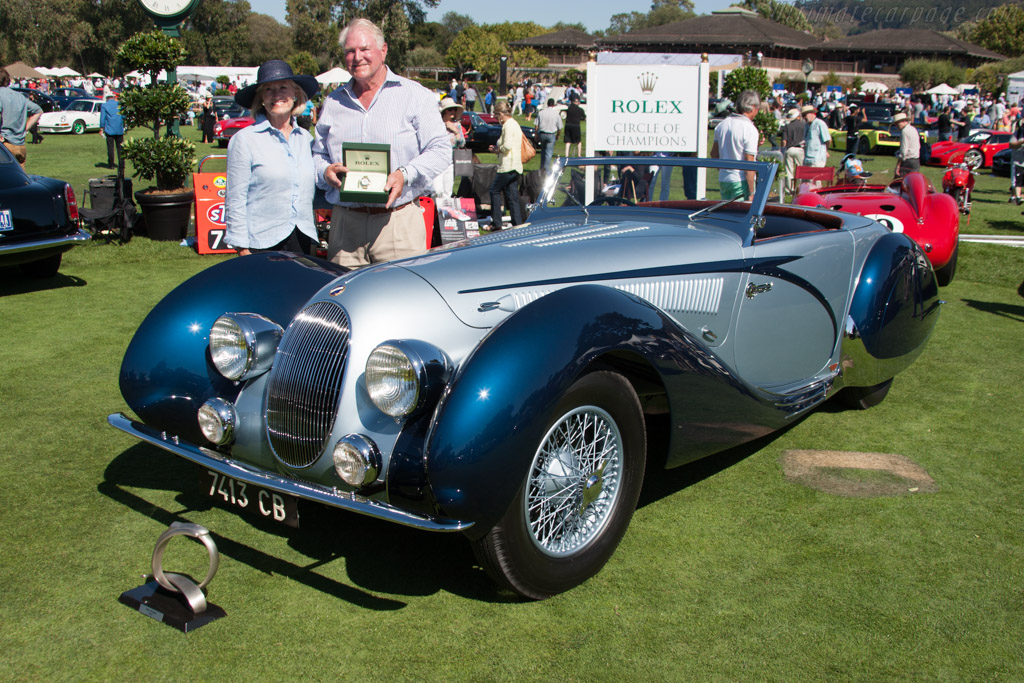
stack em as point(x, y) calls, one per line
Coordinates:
point(305, 383)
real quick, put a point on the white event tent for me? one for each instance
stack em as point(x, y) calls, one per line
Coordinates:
point(942, 89)
point(335, 75)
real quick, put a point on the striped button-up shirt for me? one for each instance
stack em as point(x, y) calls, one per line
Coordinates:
point(402, 114)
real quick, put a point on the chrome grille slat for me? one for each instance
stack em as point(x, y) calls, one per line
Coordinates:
point(304, 386)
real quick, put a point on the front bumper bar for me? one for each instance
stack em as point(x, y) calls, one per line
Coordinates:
point(269, 480)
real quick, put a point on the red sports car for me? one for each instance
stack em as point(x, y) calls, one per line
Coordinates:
point(976, 150)
point(223, 130)
point(911, 206)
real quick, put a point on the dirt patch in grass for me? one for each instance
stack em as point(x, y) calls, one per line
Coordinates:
point(859, 475)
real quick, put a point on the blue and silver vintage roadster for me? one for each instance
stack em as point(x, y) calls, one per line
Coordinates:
point(515, 387)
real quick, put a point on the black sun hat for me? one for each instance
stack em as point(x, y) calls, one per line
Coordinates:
point(275, 70)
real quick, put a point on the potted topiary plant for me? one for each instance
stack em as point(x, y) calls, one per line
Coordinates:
point(164, 158)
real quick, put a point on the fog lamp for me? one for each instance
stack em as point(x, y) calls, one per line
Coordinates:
point(356, 460)
point(217, 420)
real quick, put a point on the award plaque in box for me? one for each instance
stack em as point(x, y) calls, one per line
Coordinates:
point(368, 167)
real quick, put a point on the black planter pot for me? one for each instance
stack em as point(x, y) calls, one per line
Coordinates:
point(167, 215)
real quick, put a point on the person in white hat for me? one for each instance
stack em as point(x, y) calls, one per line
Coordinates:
point(816, 138)
point(793, 145)
point(451, 113)
point(908, 158)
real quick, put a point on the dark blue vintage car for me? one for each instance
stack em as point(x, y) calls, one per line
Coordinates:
point(38, 219)
point(515, 387)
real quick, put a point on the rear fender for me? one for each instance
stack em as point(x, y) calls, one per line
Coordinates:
point(893, 312)
point(499, 406)
point(167, 373)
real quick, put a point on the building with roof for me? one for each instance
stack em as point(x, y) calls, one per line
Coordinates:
point(564, 50)
point(781, 50)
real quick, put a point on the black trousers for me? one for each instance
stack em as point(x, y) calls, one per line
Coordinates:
point(298, 242)
point(114, 142)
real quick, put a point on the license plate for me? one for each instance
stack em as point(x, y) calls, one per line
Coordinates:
point(6, 220)
point(255, 500)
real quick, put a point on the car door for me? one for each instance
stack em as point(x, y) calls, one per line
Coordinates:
point(791, 306)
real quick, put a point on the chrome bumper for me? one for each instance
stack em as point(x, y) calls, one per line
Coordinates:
point(269, 480)
point(69, 241)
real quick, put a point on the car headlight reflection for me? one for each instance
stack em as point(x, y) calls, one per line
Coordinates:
point(402, 376)
point(217, 421)
point(242, 345)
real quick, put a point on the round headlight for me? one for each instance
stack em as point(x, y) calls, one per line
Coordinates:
point(217, 420)
point(356, 460)
point(392, 380)
point(242, 345)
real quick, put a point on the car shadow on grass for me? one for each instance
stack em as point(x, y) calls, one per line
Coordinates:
point(1005, 310)
point(379, 556)
point(14, 281)
point(1015, 227)
point(660, 483)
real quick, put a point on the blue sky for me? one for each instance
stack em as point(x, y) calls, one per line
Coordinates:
point(594, 14)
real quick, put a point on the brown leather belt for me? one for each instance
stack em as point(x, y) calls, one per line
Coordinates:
point(375, 209)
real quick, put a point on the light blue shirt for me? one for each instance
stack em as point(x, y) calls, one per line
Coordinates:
point(111, 120)
point(402, 114)
point(15, 109)
point(270, 186)
point(816, 140)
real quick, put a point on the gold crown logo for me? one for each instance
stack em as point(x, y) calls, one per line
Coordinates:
point(647, 81)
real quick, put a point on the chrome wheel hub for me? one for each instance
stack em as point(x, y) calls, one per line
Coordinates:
point(574, 481)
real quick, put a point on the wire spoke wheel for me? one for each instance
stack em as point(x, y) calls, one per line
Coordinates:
point(574, 481)
point(578, 495)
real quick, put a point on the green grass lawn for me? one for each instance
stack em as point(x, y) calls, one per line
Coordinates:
point(729, 572)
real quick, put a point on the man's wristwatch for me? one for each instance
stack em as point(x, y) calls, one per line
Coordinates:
point(405, 175)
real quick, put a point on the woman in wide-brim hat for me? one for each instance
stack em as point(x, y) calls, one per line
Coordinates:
point(271, 178)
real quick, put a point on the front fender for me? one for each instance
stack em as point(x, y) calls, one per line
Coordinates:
point(499, 405)
point(167, 373)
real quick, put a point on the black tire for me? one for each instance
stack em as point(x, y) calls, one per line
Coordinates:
point(43, 268)
point(862, 398)
point(222, 143)
point(863, 146)
point(974, 159)
point(945, 274)
point(541, 546)
point(78, 127)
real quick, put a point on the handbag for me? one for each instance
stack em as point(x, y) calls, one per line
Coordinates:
point(527, 150)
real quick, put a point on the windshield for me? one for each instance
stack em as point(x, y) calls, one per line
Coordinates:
point(588, 186)
point(81, 105)
point(978, 137)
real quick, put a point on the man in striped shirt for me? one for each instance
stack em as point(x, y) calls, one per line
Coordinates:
point(378, 106)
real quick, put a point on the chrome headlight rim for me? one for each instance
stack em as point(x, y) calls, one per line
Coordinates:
point(260, 337)
point(224, 415)
point(366, 454)
point(429, 368)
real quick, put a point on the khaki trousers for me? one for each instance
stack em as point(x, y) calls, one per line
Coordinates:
point(19, 152)
point(358, 238)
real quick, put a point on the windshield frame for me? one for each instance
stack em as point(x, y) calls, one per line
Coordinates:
point(744, 224)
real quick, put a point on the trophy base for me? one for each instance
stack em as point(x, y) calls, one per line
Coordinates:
point(169, 608)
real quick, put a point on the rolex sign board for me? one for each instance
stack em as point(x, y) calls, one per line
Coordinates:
point(646, 108)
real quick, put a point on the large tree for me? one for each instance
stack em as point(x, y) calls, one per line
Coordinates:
point(662, 12)
point(1001, 31)
point(780, 12)
point(217, 34)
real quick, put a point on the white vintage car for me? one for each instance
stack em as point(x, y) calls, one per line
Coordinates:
point(83, 116)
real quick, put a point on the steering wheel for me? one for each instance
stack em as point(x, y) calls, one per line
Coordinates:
point(606, 199)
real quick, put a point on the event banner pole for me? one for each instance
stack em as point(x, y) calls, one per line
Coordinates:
point(703, 79)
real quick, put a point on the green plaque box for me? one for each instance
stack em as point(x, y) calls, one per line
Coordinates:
point(369, 165)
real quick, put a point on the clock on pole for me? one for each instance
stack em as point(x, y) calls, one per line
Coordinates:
point(169, 14)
